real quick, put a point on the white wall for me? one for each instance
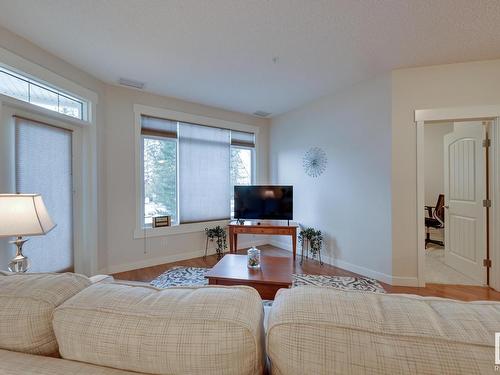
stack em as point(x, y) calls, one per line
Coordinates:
point(454, 85)
point(351, 201)
point(434, 160)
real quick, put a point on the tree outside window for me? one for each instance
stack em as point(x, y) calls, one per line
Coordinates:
point(160, 178)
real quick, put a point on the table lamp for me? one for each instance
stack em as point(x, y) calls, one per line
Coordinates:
point(23, 215)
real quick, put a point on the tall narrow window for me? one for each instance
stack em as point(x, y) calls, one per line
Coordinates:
point(44, 166)
point(204, 180)
point(159, 142)
point(242, 156)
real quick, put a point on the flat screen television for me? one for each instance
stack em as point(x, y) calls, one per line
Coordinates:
point(268, 202)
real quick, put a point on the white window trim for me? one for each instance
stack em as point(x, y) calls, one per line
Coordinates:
point(253, 177)
point(140, 231)
point(30, 82)
point(86, 257)
point(176, 140)
point(78, 165)
point(11, 61)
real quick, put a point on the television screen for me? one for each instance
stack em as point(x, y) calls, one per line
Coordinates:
point(263, 202)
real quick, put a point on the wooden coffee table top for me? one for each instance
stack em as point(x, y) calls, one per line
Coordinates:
point(273, 270)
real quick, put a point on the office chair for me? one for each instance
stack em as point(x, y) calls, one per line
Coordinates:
point(435, 220)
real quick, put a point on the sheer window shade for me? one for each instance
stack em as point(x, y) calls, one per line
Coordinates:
point(158, 127)
point(204, 173)
point(44, 166)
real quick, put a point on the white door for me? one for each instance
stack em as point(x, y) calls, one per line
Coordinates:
point(465, 189)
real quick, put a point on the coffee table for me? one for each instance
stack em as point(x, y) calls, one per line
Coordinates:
point(274, 273)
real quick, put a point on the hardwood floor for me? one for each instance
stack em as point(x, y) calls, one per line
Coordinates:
point(459, 292)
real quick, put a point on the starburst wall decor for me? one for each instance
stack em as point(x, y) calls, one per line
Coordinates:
point(314, 161)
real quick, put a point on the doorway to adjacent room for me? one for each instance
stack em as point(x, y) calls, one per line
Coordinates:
point(458, 183)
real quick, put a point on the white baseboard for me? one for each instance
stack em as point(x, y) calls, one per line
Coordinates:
point(380, 276)
point(260, 242)
point(263, 240)
point(405, 281)
point(150, 262)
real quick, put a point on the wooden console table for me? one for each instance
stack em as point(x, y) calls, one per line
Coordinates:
point(254, 227)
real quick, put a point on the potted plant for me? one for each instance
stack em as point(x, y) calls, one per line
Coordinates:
point(311, 240)
point(217, 234)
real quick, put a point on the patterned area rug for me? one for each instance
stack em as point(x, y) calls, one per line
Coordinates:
point(186, 276)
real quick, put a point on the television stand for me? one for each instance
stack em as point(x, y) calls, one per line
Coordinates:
point(252, 227)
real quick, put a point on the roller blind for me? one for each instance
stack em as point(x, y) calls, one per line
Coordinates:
point(44, 165)
point(239, 138)
point(204, 173)
point(154, 126)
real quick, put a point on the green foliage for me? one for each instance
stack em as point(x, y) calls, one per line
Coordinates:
point(313, 238)
point(160, 177)
point(219, 234)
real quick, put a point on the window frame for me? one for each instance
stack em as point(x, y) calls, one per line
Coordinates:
point(80, 255)
point(176, 140)
point(139, 110)
point(252, 160)
point(86, 257)
point(252, 176)
point(35, 82)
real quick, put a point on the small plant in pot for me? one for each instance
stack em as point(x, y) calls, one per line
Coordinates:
point(217, 234)
point(311, 240)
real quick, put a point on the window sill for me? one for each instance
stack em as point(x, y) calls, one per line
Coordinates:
point(177, 229)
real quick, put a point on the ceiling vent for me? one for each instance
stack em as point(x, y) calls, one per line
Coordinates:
point(131, 83)
point(261, 113)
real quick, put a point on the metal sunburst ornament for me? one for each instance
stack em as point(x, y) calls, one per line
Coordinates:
point(314, 161)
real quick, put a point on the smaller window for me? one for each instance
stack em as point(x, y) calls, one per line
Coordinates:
point(242, 160)
point(25, 89)
point(160, 178)
point(241, 165)
point(241, 169)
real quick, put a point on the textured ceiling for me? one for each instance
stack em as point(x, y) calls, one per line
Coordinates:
point(220, 52)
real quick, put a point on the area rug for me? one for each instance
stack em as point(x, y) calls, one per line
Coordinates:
point(192, 276)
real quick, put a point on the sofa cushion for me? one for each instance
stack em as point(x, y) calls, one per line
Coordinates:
point(12, 363)
point(27, 302)
point(205, 330)
point(327, 331)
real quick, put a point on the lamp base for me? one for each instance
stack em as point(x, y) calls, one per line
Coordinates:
point(20, 263)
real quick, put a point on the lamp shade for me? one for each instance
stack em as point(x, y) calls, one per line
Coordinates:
point(23, 215)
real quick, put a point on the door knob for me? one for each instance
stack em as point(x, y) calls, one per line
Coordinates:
point(446, 207)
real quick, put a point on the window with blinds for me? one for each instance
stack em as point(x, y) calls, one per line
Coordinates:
point(43, 157)
point(189, 170)
point(159, 145)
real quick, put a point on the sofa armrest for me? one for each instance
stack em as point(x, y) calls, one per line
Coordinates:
point(101, 279)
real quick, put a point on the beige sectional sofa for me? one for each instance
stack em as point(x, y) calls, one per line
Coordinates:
point(108, 328)
point(54, 324)
point(315, 330)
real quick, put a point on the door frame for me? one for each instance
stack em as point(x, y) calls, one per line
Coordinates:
point(474, 113)
point(85, 260)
